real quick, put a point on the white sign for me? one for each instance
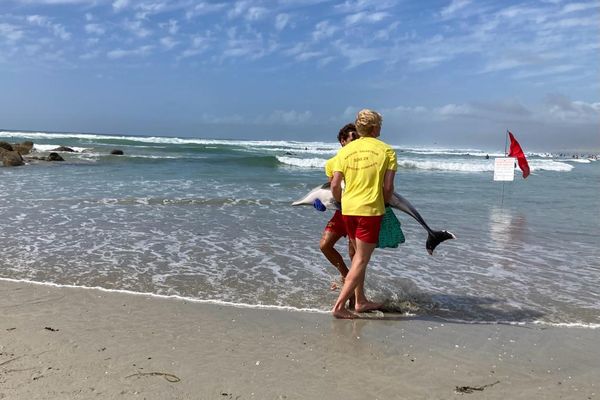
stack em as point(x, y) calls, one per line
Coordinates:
point(504, 169)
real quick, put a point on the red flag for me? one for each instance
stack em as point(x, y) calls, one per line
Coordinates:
point(517, 151)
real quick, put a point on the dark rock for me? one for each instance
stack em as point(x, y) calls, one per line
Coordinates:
point(6, 146)
point(117, 152)
point(55, 157)
point(64, 148)
point(12, 159)
point(23, 148)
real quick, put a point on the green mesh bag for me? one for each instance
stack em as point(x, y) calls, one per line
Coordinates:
point(390, 233)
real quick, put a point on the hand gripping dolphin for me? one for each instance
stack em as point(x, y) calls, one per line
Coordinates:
point(323, 193)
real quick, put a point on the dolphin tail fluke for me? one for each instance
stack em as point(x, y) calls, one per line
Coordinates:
point(437, 237)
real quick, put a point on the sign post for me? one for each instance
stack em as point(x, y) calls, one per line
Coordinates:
point(504, 169)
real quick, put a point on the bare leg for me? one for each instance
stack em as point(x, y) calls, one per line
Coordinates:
point(355, 279)
point(351, 251)
point(328, 240)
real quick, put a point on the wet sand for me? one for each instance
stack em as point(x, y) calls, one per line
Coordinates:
point(70, 343)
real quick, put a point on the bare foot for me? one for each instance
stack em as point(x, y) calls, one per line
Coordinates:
point(368, 306)
point(334, 286)
point(344, 314)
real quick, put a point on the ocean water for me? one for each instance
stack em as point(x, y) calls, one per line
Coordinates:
point(211, 220)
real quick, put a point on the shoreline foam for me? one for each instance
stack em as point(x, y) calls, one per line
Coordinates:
point(579, 325)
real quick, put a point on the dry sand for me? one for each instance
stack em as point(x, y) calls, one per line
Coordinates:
point(70, 343)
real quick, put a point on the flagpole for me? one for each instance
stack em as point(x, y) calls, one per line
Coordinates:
point(505, 147)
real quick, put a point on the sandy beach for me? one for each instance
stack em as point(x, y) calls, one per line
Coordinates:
point(67, 343)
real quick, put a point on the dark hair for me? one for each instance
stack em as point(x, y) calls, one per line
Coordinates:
point(347, 130)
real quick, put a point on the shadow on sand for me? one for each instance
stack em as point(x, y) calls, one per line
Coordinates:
point(465, 309)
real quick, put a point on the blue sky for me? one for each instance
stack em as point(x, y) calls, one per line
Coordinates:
point(456, 72)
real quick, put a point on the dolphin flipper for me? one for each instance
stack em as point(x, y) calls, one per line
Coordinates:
point(323, 193)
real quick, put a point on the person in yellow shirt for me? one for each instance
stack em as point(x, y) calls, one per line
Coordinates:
point(368, 167)
point(335, 228)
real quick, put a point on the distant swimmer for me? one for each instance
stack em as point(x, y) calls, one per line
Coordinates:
point(487, 156)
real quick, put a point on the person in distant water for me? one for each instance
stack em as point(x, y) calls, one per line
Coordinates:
point(335, 228)
point(487, 156)
point(368, 167)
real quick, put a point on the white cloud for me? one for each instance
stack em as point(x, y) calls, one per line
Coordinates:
point(248, 44)
point(60, 32)
point(355, 6)
point(168, 42)
point(119, 5)
point(502, 65)
point(386, 33)
point(204, 8)
point(561, 108)
point(57, 29)
point(365, 17)
point(576, 7)
point(452, 110)
point(556, 108)
point(199, 44)
point(239, 8)
point(324, 30)
point(120, 53)
point(95, 29)
point(90, 55)
point(11, 32)
point(59, 2)
point(144, 9)
point(308, 55)
point(136, 27)
point(453, 7)
point(358, 55)
point(428, 60)
point(38, 20)
point(281, 21)
point(591, 20)
point(255, 13)
point(171, 26)
point(291, 117)
point(545, 71)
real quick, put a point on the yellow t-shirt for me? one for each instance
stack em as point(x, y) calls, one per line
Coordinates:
point(363, 163)
point(329, 164)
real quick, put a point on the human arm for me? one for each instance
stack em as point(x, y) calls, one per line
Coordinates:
point(388, 185)
point(336, 186)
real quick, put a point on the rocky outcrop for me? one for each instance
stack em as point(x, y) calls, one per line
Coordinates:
point(23, 148)
point(54, 157)
point(11, 158)
point(6, 146)
point(64, 148)
point(11, 154)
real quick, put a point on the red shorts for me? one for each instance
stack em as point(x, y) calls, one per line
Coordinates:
point(363, 228)
point(336, 224)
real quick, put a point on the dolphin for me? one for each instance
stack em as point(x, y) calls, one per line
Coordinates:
point(323, 193)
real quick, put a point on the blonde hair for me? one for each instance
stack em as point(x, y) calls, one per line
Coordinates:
point(366, 120)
